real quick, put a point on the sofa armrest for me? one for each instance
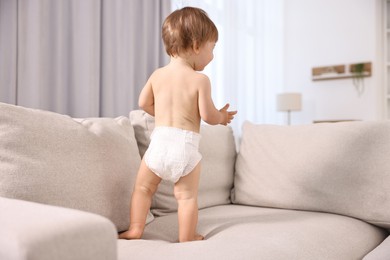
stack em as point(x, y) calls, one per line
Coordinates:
point(380, 252)
point(36, 231)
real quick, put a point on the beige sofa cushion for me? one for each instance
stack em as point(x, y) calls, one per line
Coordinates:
point(380, 252)
point(87, 164)
point(217, 165)
point(33, 231)
point(339, 168)
point(143, 124)
point(235, 232)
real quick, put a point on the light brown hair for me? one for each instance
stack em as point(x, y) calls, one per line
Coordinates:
point(187, 28)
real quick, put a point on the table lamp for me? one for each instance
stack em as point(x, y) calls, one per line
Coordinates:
point(289, 102)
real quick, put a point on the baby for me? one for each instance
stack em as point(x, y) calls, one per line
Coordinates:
point(178, 97)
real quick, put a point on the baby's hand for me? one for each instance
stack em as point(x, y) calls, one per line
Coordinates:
point(227, 116)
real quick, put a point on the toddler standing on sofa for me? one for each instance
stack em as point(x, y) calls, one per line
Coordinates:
point(178, 97)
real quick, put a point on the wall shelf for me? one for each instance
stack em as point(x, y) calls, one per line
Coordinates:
point(341, 71)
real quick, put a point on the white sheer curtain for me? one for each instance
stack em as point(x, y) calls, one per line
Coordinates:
point(248, 59)
point(82, 58)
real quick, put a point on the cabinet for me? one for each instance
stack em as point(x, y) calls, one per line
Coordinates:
point(386, 26)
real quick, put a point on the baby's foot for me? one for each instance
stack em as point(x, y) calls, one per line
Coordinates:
point(124, 235)
point(198, 237)
point(131, 234)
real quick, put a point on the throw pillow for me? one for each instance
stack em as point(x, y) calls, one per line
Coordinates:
point(87, 164)
point(340, 168)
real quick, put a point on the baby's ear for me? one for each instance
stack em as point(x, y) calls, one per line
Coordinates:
point(196, 47)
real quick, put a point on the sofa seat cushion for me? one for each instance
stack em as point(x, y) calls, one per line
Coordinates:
point(245, 232)
point(217, 164)
point(340, 168)
point(87, 164)
point(33, 231)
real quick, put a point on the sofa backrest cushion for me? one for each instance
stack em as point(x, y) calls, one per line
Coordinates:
point(87, 164)
point(341, 168)
point(218, 151)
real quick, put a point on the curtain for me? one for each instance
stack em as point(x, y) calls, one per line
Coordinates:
point(247, 68)
point(82, 58)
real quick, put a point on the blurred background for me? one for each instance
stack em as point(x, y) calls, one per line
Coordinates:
point(91, 58)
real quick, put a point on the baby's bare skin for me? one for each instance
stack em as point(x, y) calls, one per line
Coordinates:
point(177, 95)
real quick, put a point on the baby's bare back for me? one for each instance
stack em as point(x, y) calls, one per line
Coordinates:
point(175, 92)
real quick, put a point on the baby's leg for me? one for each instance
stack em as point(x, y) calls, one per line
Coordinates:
point(145, 186)
point(186, 193)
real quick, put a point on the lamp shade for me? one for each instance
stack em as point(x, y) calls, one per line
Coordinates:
point(289, 102)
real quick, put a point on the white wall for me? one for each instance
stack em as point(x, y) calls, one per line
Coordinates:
point(321, 33)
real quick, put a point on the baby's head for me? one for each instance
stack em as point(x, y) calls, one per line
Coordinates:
point(186, 29)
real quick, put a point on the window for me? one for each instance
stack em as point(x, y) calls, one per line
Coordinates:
point(247, 67)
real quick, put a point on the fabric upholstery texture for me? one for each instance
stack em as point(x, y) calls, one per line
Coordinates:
point(244, 232)
point(143, 124)
point(381, 252)
point(87, 164)
point(33, 231)
point(217, 165)
point(305, 192)
point(339, 168)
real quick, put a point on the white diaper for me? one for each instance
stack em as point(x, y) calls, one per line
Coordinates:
point(173, 152)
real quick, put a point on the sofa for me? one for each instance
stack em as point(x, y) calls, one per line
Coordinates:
point(317, 191)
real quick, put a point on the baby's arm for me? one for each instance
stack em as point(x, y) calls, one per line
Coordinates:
point(207, 110)
point(146, 98)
